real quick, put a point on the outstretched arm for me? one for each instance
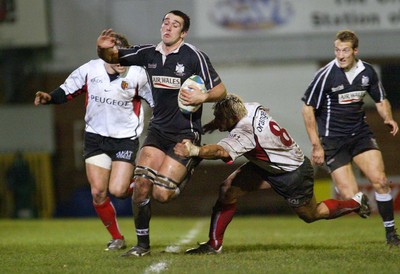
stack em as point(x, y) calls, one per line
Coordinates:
point(106, 49)
point(385, 111)
point(187, 149)
point(318, 154)
point(57, 96)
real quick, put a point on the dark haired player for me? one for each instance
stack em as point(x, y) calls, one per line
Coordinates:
point(160, 173)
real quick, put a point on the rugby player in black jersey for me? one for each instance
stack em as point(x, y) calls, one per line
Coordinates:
point(335, 122)
point(160, 174)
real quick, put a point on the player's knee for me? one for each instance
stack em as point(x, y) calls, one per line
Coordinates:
point(380, 181)
point(307, 218)
point(165, 189)
point(98, 196)
point(162, 195)
point(142, 184)
point(118, 191)
point(229, 194)
point(306, 215)
point(142, 190)
point(229, 197)
point(144, 179)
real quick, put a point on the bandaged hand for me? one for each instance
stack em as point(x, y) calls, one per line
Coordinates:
point(193, 149)
point(186, 149)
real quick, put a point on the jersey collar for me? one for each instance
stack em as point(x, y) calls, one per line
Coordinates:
point(359, 65)
point(160, 49)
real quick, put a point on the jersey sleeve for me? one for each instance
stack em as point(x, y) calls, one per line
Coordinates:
point(238, 143)
point(207, 71)
point(58, 96)
point(314, 95)
point(134, 56)
point(75, 84)
point(376, 90)
point(145, 88)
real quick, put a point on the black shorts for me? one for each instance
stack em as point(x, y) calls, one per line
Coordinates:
point(166, 143)
point(340, 151)
point(123, 149)
point(297, 187)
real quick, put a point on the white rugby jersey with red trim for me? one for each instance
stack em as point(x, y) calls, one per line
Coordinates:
point(338, 103)
point(263, 141)
point(113, 108)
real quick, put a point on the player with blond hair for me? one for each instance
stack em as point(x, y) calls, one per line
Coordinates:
point(274, 161)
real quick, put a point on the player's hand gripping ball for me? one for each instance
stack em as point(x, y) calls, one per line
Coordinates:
point(193, 80)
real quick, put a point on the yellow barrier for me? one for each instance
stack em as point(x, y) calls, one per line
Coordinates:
point(323, 189)
point(41, 170)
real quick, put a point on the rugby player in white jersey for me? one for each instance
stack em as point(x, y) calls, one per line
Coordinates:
point(335, 122)
point(275, 161)
point(114, 121)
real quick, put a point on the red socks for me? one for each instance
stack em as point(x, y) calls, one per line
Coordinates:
point(221, 217)
point(107, 214)
point(338, 208)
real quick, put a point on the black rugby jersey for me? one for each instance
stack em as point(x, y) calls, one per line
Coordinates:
point(166, 80)
point(338, 103)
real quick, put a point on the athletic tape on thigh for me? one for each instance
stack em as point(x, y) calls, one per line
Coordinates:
point(101, 160)
point(165, 183)
point(145, 172)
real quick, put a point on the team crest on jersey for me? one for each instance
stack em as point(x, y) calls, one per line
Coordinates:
point(365, 81)
point(124, 85)
point(180, 69)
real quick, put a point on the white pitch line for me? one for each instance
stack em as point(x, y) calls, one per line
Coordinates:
point(158, 267)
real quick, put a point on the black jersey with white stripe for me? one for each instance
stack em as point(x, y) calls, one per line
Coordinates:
point(167, 74)
point(338, 103)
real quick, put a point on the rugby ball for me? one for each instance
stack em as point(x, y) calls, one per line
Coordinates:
point(193, 80)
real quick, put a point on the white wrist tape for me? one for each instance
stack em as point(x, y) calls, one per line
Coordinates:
point(193, 149)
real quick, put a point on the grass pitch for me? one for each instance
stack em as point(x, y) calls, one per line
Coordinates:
point(253, 244)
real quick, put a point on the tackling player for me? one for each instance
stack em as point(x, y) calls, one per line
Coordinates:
point(335, 122)
point(275, 161)
point(114, 122)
